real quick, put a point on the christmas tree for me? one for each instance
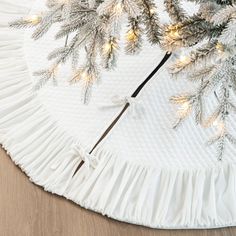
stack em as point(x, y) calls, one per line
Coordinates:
point(95, 26)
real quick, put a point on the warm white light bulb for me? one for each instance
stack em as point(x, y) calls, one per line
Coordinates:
point(220, 47)
point(215, 123)
point(56, 68)
point(185, 106)
point(174, 33)
point(118, 8)
point(152, 11)
point(107, 47)
point(131, 35)
point(184, 59)
point(219, 125)
point(184, 109)
point(33, 18)
point(84, 75)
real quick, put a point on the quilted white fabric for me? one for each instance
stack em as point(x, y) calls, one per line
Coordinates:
point(143, 171)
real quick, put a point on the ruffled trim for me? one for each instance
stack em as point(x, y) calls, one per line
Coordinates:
point(31, 137)
point(166, 198)
point(127, 191)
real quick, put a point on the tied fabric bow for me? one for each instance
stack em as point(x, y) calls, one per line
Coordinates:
point(134, 104)
point(89, 159)
point(78, 152)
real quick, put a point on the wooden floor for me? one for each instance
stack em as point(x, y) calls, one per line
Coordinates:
point(27, 210)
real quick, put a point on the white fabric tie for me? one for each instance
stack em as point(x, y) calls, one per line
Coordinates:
point(89, 159)
point(133, 102)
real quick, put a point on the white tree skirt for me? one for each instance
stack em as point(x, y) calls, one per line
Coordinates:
point(146, 173)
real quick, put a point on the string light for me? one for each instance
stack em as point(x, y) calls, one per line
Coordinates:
point(55, 68)
point(174, 33)
point(219, 124)
point(131, 35)
point(185, 106)
point(220, 47)
point(34, 19)
point(118, 8)
point(215, 123)
point(152, 11)
point(184, 109)
point(107, 47)
point(81, 74)
point(184, 59)
point(84, 75)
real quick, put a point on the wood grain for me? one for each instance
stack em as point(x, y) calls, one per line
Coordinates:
point(27, 210)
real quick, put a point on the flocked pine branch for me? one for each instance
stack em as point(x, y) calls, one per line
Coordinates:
point(134, 36)
point(80, 21)
point(201, 55)
point(150, 20)
point(212, 64)
point(25, 22)
point(175, 10)
point(219, 118)
point(188, 33)
point(110, 52)
point(190, 102)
